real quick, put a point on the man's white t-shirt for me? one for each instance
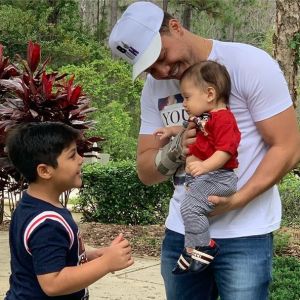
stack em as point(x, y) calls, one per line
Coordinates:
point(259, 91)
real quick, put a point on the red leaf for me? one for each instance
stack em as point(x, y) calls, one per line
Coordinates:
point(75, 94)
point(11, 71)
point(33, 55)
point(47, 86)
point(69, 87)
point(13, 85)
point(1, 52)
point(25, 95)
point(42, 68)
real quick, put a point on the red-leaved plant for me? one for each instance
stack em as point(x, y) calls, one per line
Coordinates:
point(29, 94)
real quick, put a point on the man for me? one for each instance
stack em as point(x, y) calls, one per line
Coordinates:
point(242, 224)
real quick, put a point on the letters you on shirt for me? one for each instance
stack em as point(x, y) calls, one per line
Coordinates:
point(171, 110)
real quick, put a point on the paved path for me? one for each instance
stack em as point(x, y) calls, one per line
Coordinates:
point(141, 281)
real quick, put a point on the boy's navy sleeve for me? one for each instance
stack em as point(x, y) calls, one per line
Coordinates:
point(49, 244)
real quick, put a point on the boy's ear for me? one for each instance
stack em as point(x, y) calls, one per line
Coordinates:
point(211, 94)
point(44, 171)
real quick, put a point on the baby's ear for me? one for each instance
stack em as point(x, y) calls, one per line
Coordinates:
point(44, 171)
point(211, 94)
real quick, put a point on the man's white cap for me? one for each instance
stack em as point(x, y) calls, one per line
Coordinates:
point(136, 38)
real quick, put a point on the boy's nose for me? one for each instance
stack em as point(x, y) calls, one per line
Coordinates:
point(80, 158)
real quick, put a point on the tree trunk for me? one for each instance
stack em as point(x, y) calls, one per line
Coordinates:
point(165, 5)
point(1, 207)
point(186, 16)
point(54, 15)
point(89, 14)
point(113, 13)
point(287, 28)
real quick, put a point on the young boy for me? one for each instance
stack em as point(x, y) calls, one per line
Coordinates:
point(205, 88)
point(48, 258)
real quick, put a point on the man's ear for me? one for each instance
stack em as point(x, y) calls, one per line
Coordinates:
point(175, 26)
point(211, 94)
point(44, 171)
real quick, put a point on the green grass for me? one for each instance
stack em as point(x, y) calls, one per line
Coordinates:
point(286, 279)
point(286, 269)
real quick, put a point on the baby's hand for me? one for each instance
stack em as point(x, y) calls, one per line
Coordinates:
point(163, 133)
point(196, 168)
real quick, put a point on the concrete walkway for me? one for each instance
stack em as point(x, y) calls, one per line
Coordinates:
point(140, 281)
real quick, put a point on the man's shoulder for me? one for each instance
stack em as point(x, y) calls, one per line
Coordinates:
point(233, 55)
point(223, 45)
point(242, 56)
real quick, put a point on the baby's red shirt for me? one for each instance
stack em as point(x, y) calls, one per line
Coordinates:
point(222, 134)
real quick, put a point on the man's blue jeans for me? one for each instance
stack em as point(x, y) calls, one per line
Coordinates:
point(241, 271)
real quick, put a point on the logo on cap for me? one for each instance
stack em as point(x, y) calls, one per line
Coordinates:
point(129, 51)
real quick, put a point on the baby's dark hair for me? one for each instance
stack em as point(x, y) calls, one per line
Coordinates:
point(210, 73)
point(31, 144)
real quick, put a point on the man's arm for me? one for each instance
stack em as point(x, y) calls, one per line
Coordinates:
point(281, 134)
point(147, 149)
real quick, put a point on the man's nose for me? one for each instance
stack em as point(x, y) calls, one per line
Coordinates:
point(160, 70)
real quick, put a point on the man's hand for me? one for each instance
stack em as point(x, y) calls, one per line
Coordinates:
point(225, 204)
point(189, 137)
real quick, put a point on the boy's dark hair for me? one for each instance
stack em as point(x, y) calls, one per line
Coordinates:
point(208, 73)
point(31, 144)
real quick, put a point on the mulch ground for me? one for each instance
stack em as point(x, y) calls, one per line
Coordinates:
point(146, 240)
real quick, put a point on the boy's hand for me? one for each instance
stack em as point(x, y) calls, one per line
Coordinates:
point(100, 251)
point(118, 239)
point(118, 254)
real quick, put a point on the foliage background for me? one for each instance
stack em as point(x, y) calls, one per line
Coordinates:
point(76, 41)
point(107, 199)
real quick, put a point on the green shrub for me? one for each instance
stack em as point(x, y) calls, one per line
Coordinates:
point(114, 124)
point(281, 242)
point(289, 189)
point(16, 29)
point(55, 25)
point(286, 279)
point(113, 193)
point(108, 82)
